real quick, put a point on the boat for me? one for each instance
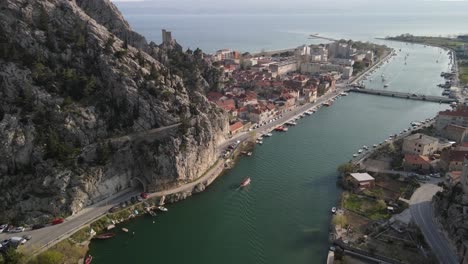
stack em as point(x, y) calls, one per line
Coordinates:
point(329, 103)
point(343, 94)
point(355, 155)
point(249, 154)
point(88, 259)
point(291, 123)
point(375, 145)
point(359, 151)
point(162, 208)
point(308, 113)
point(365, 147)
point(279, 128)
point(385, 85)
point(268, 135)
point(333, 210)
point(260, 142)
point(245, 182)
point(104, 236)
point(125, 230)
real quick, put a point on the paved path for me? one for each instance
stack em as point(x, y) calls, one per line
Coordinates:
point(423, 216)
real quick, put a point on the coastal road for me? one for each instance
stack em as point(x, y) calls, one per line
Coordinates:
point(423, 216)
point(45, 237)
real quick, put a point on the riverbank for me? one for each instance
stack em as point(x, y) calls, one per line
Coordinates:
point(379, 216)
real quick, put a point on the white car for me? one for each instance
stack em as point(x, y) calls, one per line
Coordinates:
point(3, 228)
point(18, 229)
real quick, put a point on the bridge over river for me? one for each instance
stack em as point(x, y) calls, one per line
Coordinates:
point(412, 96)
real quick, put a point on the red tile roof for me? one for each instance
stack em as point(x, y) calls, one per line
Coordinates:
point(236, 126)
point(460, 112)
point(417, 159)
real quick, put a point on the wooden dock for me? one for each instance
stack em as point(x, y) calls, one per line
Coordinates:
point(411, 96)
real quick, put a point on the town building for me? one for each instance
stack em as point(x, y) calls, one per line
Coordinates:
point(344, 62)
point(452, 178)
point(452, 160)
point(315, 68)
point(235, 128)
point(341, 50)
point(420, 144)
point(415, 162)
point(362, 180)
point(455, 132)
point(457, 117)
point(283, 67)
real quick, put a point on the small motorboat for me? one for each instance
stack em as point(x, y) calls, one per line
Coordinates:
point(105, 236)
point(375, 145)
point(268, 135)
point(125, 230)
point(88, 259)
point(333, 210)
point(245, 182)
point(355, 155)
point(162, 208)
point(249, 154)
point(359, 151)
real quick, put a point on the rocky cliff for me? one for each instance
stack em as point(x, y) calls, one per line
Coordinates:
point(88, 109)
point(451, 207)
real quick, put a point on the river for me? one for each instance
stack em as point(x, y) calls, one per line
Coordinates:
point(284, 215)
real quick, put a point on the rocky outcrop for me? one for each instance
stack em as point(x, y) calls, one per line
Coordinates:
point(451, 210)
point(85, 114)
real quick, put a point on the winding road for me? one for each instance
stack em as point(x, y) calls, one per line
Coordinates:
point(423, 216)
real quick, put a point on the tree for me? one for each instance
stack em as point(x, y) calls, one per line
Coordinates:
point(347, 168)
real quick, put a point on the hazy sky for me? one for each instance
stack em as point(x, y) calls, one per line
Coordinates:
point(379, 6)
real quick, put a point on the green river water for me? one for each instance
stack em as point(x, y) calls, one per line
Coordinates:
point(283, 215)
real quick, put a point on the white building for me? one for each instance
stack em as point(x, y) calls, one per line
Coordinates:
point(340, 61)
point(313, 68)
point(420, 144)
point(283, 67)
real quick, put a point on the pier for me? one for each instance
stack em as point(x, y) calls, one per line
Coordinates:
point(412, 96)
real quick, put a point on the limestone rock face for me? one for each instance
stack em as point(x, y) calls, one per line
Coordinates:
point(88, 109)
point(451, 210)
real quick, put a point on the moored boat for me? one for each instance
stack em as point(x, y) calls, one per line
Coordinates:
point(359, 151)
point(333, 210)
point(125, 230)
point(245, 182)
point(162, 208)
point(88, 259)
point(104, 236)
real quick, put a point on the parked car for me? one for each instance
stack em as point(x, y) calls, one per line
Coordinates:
point(3, 228)
point(38, 226)
point(57, 221)
point(114, 209)
point(144, 195)
point(139, 199)
point(17, 229)
point(27, 237)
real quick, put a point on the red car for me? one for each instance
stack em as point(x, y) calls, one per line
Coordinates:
point(57, 221)
point(144, 195)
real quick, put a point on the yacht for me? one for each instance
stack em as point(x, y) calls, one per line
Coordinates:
point(162, 208)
